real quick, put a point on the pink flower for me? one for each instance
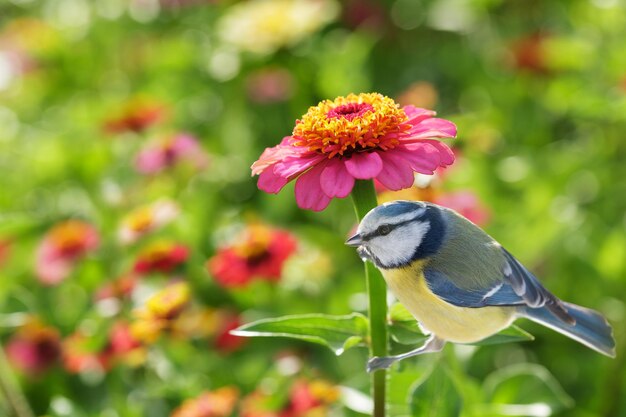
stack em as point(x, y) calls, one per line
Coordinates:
point(355, 137)
point(34, 347)
point(467, 204)
point(270, 85)
point(168, 152)
point(61, 248)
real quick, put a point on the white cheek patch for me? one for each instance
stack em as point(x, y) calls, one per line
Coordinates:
point(400, 245)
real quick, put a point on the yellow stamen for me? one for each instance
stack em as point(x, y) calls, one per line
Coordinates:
point(351, 124)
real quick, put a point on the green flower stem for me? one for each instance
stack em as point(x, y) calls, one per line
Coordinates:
point(10, 390)
point(364, 198)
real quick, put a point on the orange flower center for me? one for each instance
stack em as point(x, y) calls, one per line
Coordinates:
point(356, 123)
point(254, 244)
point(141, 220)
point(70, 237)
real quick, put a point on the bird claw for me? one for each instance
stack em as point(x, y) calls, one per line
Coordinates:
point(379, 362)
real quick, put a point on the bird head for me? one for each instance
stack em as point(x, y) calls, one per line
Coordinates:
point(395, 234)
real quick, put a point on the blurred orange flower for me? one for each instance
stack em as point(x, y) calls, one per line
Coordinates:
point(61, 248)
point(218, 403)
point(529, 53)
point(120, 287)
point(146, 219)
point(79, 355)
point(160, 312)
point(419, 94)
point(34, 347)
point(160, 256)
point(258, 252)
point(136, 116)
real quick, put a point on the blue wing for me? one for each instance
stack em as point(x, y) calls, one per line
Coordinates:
point(516, 287)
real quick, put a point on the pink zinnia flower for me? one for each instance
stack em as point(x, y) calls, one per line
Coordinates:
point(170, 151)
point(270, 85)
point(61, 248)
point(355, 137)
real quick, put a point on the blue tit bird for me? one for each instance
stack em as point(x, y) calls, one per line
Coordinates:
point(459, 283)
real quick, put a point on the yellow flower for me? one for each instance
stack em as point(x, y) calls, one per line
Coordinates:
point(263, 26)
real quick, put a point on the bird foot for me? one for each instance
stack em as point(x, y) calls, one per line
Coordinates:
point(379, 362)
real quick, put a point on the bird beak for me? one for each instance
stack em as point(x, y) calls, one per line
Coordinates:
point(355, 241)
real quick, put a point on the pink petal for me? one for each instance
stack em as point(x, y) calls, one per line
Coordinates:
point(294, 165)
point(433, 128)
point(396, 173)
point(150, 161)
point(417, 114)
point(364, 165)
point(423, 157)
point(309, 193)
point(271, 156)
point(335, 179)
point(445, 153)
point(50, 267)
point(270, 182)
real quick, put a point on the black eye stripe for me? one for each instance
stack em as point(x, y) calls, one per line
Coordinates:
point(391, 226)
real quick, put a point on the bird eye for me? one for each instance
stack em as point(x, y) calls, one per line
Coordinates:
point(384, 230)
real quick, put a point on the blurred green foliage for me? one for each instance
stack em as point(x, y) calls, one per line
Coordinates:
point(537, 89)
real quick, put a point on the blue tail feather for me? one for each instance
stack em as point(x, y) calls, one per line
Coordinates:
point(591, 328)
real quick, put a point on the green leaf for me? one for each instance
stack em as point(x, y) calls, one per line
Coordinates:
point(338, 333)
point(436, 395)
point(508, 335)
point(526, 384)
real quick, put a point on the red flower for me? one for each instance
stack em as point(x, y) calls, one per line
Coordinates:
point(136, 116)
point(226, 342)
point(529, 53)
point(309, 395)
point(161, 256)
point(34, 348)
point(5, 249)
point(260, 252)
point(355, 137)
point(61, 248)
point(122, 347)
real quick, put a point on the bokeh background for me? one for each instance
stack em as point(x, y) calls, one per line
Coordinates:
point(132, 237)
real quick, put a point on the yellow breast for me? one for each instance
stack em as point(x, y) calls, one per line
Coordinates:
point(446, 321)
